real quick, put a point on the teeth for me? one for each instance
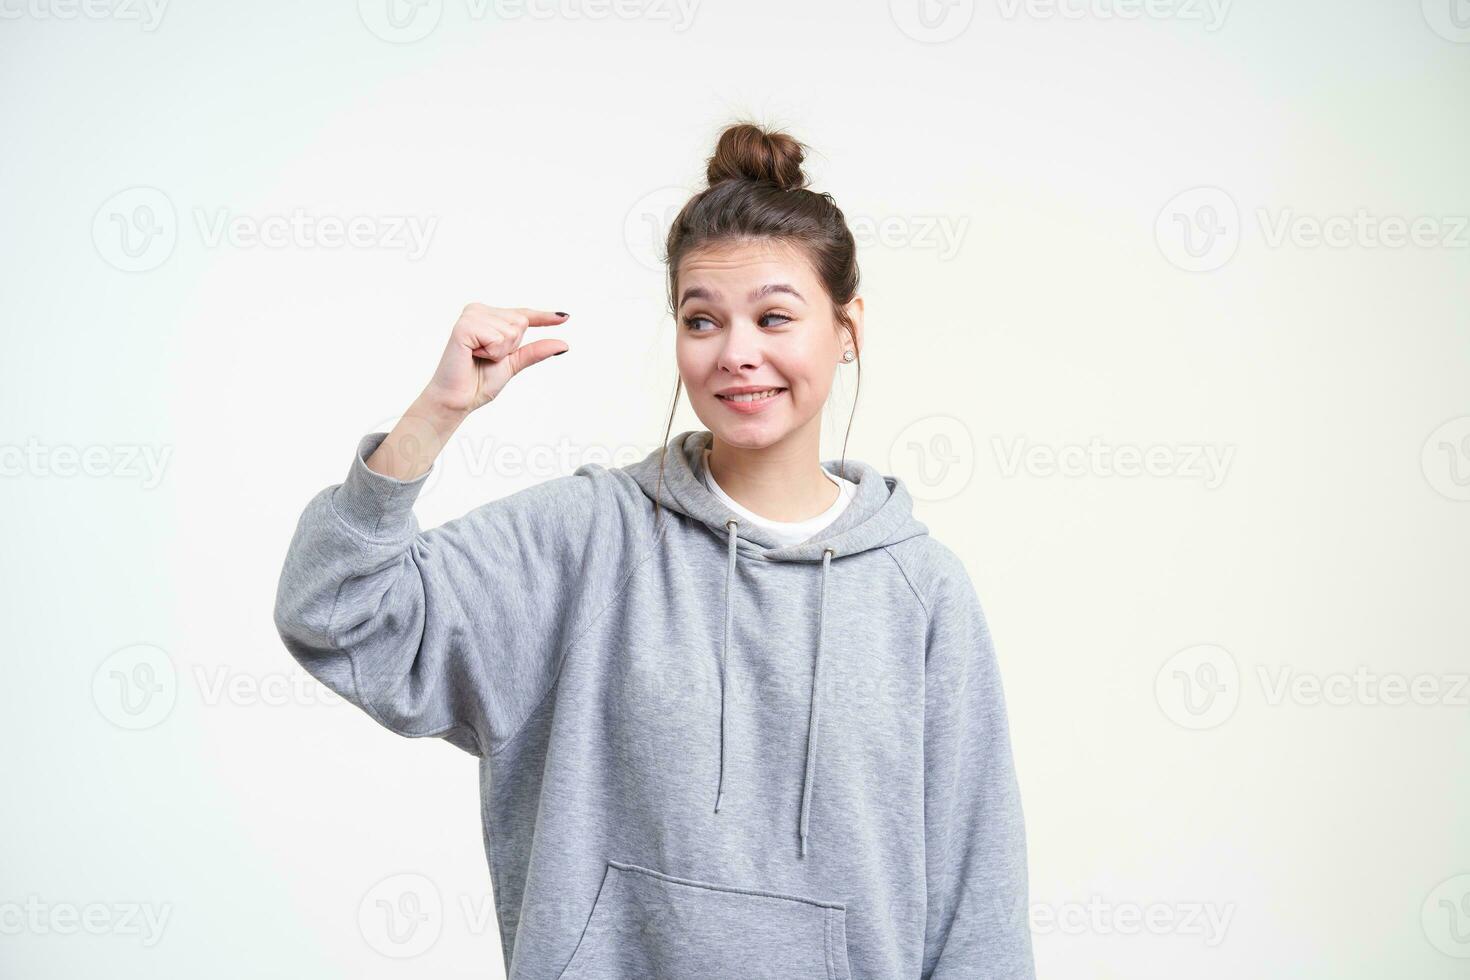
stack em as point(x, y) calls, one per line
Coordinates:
point(754, 395)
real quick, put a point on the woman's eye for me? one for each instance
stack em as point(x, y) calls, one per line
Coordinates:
point(694, 322)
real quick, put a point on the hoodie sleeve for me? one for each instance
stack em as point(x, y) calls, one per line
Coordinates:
point(978, 923)
point(454, 632)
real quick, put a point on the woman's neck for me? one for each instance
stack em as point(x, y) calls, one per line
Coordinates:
point(783, 481)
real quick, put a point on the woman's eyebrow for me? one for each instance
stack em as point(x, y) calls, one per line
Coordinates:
point(775, 287)
point(699, 292)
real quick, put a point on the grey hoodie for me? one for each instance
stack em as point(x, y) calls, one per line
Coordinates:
point(701, 755)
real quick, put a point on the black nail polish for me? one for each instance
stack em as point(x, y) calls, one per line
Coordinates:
point(558, 353)
point(560, 313)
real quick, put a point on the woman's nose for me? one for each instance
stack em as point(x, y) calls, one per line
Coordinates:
point(742, 347)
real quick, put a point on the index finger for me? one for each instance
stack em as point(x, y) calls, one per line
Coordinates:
point(541, 318)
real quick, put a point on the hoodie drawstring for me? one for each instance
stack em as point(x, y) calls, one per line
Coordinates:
point(724, 655)
point(811, 724)
point(812, 716)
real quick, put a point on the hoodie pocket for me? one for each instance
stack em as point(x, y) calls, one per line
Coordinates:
point(646, 924)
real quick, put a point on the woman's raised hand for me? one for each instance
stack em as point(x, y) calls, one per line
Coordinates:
point(484, 352)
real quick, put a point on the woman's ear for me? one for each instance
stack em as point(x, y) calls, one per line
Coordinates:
point(855, 314)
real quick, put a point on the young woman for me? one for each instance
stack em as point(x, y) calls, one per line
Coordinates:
point(738, 714)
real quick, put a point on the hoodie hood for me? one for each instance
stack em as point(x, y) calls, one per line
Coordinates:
point(879, 514)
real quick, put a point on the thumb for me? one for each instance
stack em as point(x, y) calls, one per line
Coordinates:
point(533, 353)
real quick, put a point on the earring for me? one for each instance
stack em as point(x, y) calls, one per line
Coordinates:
point(848, 355)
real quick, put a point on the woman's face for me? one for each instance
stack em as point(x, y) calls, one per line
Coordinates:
point(757, 340)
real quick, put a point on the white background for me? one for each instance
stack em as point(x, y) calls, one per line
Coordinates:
point(1072, 242)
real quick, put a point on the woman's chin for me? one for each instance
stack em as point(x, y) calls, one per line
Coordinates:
point(747, 431)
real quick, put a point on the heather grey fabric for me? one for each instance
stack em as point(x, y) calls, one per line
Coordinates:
point(701, 755)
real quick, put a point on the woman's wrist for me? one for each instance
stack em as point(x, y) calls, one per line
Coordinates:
point(416, 440)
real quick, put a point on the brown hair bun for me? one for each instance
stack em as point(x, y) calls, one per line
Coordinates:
point(749, 152)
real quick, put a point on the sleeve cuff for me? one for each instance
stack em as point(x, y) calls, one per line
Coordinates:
point(375, 504)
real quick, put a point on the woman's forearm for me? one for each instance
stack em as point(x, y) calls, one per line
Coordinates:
point(416, 441)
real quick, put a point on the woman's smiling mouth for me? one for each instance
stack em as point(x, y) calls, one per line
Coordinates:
point(749, 398)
